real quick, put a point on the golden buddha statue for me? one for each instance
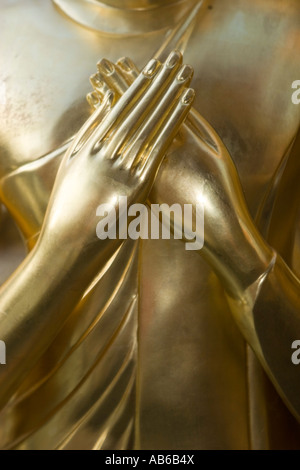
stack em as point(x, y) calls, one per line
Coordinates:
point(140, 344)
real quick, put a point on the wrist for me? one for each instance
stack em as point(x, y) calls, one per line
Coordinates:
point(241, 259)
point(72, 261)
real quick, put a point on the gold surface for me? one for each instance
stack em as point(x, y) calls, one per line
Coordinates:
point(142, 345)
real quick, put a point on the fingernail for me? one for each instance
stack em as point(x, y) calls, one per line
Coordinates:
point(125, 63)
point(173, 59)
point(105, 66)
point(150, 68)
point(185, 73)
point(188, 96)
point(93, 99)
point(95, 80)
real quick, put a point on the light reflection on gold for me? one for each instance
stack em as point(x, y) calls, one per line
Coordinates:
point(142, 344)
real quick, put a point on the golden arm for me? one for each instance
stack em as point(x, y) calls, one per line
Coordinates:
point(264, 295)
point(105, 160)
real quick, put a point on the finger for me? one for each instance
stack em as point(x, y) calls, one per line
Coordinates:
point(138, 144)
point(128, 68)
point(116, 77)
point(112, 76)
point(99, 84)
point(147, 166)
point(133, 118)
point(93, 99)
point(127, 101)
point(89, 126)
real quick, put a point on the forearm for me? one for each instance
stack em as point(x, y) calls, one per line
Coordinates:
point(35, 303)
point(232, 246)
point(264, 296)
point(263, 293)
point(26, 192)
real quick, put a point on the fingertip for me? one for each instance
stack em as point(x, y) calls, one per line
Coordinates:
point(185, 73)
point(95, 81)
point(188, 96)
point(125, 64)
point(174, 58)
point(151, 68)
point(106, 67)
point(93, 99)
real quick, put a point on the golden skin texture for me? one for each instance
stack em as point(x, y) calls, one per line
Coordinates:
point(103, 383)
